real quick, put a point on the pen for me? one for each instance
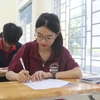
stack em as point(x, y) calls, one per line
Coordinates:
point(22, 63)
point(89, 81)
point(97, 82)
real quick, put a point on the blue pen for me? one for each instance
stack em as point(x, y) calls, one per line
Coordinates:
point(97, 82)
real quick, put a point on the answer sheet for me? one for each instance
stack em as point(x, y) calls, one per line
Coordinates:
point(46, 84)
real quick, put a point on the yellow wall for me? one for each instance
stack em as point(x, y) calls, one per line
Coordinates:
point(38, 7)
point(7, 12)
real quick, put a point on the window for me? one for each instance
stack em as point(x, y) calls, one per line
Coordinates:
point(80, 24)
point(26, 23)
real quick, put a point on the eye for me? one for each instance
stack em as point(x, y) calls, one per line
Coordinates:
point(39, 36)
point(49, 38)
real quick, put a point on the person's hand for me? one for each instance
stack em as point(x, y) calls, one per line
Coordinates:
point(40, 75)
point(23, 76)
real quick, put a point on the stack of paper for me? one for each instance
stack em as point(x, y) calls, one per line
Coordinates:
point(93, 79)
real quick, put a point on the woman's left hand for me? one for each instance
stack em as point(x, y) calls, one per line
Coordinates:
point(40, 75)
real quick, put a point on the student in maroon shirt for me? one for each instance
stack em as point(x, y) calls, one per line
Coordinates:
point(45, 57)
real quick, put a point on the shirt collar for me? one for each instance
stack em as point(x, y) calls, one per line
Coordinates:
point(1, 46)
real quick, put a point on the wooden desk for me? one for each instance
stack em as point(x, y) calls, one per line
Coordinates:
point(18, 91)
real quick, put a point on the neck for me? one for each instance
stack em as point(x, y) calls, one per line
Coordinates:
point(6, 48)
point(44, 53)
point(41, 49)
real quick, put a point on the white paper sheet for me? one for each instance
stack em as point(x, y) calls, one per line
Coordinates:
point(1, 70)
point(46, 84)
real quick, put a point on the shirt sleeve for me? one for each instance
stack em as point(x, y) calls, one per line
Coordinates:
point(15, 64)
point(67, 62)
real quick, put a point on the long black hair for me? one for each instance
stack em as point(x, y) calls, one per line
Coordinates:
point(52, 22)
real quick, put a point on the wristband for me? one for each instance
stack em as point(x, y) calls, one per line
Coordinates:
point(53, 75)
point(54, 69)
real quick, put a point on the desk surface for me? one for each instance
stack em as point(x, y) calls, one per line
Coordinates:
point(18, 91)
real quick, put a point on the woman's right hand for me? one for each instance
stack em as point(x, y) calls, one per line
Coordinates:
point(23, 76)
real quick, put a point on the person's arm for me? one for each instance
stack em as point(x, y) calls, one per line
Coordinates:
point(15, 69)
point(22, 76)
point(68, 68)
point(73, 73)
point(10, 75)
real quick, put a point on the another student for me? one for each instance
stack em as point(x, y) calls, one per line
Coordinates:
point(9, 44)
point(45, 57)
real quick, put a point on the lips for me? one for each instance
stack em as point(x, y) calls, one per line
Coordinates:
point(43, 45)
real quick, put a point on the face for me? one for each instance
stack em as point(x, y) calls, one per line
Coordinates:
point(45, 37)
point(6, 44)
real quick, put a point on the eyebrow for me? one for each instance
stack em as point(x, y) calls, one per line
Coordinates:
point(42, 35)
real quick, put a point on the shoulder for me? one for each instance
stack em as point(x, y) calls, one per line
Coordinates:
point(33, 44)
point(30, 45)
point(18, 45)
point(65, 53)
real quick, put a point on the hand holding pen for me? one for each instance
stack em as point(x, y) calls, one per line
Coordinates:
point(23, 75)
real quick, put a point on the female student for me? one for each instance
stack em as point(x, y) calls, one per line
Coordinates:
point(45, 57)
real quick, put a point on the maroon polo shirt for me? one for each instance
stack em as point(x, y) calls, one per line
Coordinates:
point(33, 62)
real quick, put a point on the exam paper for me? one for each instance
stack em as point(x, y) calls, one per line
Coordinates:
point(46, 84)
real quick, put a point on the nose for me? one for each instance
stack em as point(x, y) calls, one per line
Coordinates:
point(43, 39)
